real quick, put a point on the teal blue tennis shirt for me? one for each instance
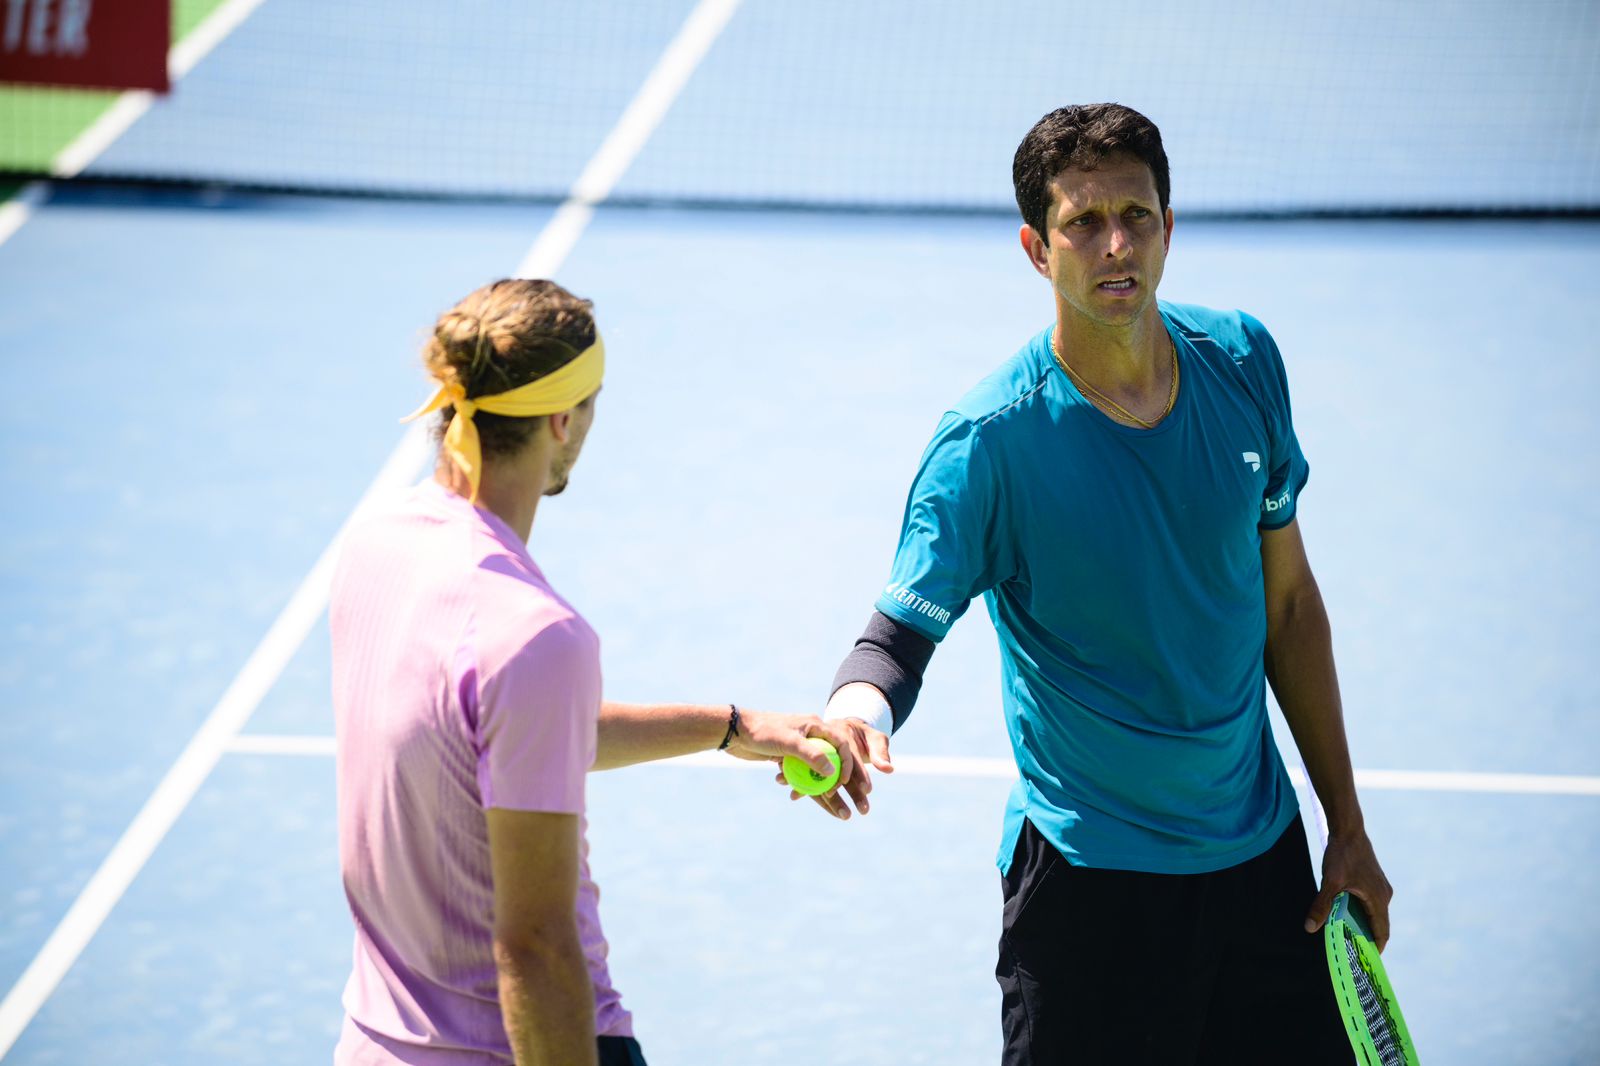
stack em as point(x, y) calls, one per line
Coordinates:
point(1122, 571)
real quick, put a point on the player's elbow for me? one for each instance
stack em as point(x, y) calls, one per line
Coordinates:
point(1297, 608)
point(536, 945)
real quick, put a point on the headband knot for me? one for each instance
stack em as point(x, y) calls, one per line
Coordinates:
point(459, 400)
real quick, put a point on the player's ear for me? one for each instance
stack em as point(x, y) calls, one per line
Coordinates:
point(1035, 248)
point(1166, 236)
point(560, 425)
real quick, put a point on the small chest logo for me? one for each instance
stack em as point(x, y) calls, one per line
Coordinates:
point(1253, 460)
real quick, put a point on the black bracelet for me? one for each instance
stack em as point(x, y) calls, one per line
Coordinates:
point(733, 728)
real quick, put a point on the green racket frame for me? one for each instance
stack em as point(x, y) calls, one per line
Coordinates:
point(1347, 921)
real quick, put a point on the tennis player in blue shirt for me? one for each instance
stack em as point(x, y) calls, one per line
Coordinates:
point(1122, 493)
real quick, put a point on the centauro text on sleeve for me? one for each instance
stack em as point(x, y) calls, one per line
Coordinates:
point(1121, 568)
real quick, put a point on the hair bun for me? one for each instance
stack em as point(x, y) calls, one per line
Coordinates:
point(508, 333)
point(459, 329)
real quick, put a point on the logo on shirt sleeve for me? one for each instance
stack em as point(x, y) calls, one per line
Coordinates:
point(1278, 504)
point(906, 598)
point(1252, 460)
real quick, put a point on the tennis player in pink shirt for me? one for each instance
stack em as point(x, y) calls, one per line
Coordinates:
point(468, 702)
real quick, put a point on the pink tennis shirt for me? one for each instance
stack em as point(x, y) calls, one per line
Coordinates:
point(461, 681)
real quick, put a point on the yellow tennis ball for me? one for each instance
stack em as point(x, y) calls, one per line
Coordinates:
point(806, 781)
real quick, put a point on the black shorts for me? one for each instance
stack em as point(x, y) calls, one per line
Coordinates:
point(619, 1051)
point(1114, 966)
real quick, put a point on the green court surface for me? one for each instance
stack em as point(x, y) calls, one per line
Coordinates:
point(37, 122)
point(801, 251)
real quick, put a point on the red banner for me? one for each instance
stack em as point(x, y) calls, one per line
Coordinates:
point(99, 44)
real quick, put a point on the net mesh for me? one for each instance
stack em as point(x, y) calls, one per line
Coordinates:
point(1376, 1012)
point(1266, 106)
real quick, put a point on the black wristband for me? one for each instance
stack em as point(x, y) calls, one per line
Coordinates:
point(733, 728)
point(892, 657)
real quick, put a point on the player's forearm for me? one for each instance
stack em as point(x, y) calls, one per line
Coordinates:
point(888, 659)
point(638, 732)
point(547, 1000)
point(1299, 664)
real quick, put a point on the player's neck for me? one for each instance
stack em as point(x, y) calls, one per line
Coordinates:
point(1133, 359)
point(509, 494)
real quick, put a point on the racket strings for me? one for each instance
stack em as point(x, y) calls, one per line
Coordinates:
point(1374, 1010)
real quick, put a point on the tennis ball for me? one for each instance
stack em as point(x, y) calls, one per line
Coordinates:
point(806, 781)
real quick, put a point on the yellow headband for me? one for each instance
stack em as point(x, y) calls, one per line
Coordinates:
point(562, 390)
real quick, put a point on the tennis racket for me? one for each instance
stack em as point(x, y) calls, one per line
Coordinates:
point(1367, 1003)
point(1371, 1012)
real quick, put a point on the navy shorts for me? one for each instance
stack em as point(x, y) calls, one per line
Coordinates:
point(1115, 966)
point(619, 1051)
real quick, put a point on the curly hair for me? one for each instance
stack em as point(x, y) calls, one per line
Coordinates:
point(503, 335)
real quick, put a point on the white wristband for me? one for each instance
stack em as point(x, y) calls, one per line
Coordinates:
point(861, 701)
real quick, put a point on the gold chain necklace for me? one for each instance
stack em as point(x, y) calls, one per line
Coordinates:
point(1172, 391)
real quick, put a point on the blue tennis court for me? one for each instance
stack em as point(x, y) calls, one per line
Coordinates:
point(206, 379)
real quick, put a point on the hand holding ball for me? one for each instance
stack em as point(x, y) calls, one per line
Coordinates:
point(806, 781)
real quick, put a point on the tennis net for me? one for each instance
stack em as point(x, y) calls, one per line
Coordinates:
point(1267, 107)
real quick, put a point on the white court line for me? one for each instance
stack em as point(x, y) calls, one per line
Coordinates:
point(969, 766)
point(128, 109)
point(612, 159)
point(265, 744)
point(1447, 781)
point(15, 211)
point(90, 910)
point(131, 106)
point(183, 780)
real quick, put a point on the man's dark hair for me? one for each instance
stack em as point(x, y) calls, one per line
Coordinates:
point(1079, 138)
